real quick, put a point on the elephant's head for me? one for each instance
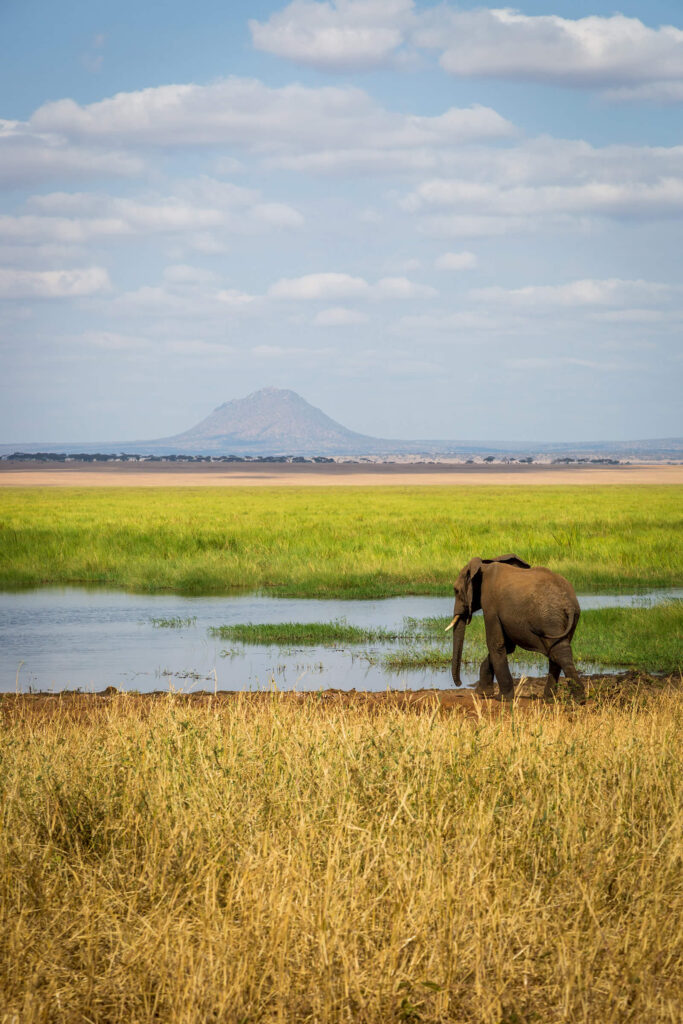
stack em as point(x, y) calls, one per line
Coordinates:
point(467, 590)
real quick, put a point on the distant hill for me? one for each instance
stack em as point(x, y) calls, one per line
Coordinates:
point(276, 422)
point(271, 420)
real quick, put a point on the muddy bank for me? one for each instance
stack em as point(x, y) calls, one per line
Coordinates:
point(620, 688)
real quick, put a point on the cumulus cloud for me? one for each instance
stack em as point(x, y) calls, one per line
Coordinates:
point(340, 35)
point(328, 286)
point(622, 199)
point(319, 286)
point(546, 181)
point(203, 209)
point(52, 284)
point(612, 52)
point(587, 292)
point(402, 288)
point(284, 123)
point(339, 316)
point(28, 157)
point(456, 261)
point(591, 51)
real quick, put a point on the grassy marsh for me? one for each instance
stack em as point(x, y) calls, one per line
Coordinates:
point(304, 634)
point(276, 861)
point(337, 541)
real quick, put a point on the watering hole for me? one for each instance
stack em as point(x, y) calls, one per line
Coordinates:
point(76, 638)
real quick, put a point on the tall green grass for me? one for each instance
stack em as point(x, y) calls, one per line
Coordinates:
point(338, 541)
point(289, 861)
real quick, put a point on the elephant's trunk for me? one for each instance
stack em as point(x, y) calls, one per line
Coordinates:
point(458, 641)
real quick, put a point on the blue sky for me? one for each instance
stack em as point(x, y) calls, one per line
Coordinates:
point(438, 221)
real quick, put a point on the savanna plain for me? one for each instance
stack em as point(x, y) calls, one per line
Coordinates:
point(282, 857)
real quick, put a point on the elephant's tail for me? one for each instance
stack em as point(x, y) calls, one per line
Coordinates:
point(572, 620)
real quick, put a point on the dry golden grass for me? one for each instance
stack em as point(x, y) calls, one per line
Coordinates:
point(274, 860)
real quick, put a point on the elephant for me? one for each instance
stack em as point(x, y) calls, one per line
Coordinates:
point(532, 608)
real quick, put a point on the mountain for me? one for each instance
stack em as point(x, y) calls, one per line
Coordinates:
point(276, 422)
point(273, 421)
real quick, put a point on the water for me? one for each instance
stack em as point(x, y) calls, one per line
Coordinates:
point(71, 638)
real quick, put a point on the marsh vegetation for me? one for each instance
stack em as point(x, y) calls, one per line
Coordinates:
point(338, 541)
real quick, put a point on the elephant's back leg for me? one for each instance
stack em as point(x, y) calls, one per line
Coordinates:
point(554, 669)
point(562, 653)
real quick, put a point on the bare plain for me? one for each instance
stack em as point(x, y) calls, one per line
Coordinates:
point(165, 474)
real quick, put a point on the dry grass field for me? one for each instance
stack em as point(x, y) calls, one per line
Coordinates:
point(281, 859)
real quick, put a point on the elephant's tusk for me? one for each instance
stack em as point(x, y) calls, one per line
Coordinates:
point(451, 624)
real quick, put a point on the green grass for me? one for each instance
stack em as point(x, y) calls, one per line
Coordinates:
point(286, 860)
point(337, 541)
point(644, 638)
point(304, 634)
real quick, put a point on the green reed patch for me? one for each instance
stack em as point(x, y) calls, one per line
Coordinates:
point(338, 541)
point(176, 622)
point(304, 634)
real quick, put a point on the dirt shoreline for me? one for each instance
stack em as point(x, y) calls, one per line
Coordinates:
point(529, 696)
point(30, 474)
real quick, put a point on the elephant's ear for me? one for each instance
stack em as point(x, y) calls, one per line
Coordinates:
point(472, 568)
point(510, 559)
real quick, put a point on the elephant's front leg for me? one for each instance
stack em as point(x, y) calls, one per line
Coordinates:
point(496, 643)
point(485, 685)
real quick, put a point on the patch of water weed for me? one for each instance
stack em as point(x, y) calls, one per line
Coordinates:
point(176, 622)
point(303, 634)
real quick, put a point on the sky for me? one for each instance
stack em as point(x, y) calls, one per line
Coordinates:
point(430, 220)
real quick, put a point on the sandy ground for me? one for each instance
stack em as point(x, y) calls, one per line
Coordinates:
point(115, 474)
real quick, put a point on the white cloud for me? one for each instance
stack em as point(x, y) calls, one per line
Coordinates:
point(182, 274)
point(234, 298)
point(591, 51)
point(339, 316)
point(632, 199)
point(456, 261)
point(203, 209)
point(52, 284)
point(595, 51)
point(338, 286)
point(284, 123)
point(588, 292)
point(28, 157)
point(340, 35)
point(402, 288)
point(319, 286)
